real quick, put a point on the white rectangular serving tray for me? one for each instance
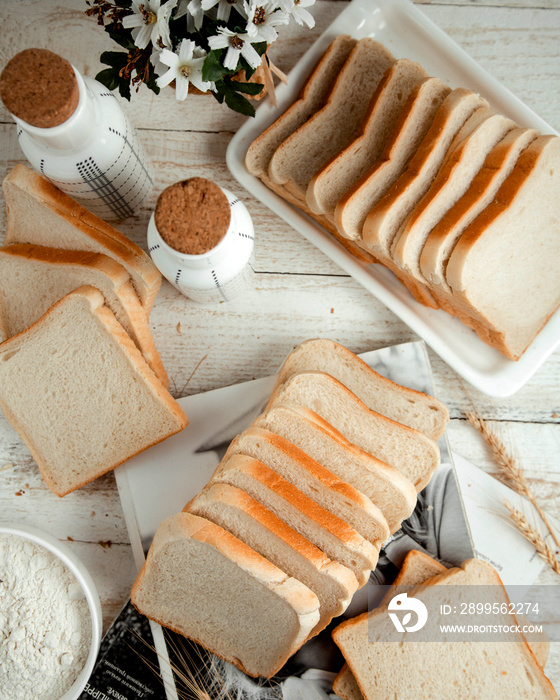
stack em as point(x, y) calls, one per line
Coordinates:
point(408, 33)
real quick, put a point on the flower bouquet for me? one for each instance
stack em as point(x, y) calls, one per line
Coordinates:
point(214, 46)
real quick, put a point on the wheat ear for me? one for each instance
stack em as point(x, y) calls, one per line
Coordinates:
point(534, 537)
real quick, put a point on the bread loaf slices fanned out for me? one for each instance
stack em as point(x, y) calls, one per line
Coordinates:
point(406, 406)
point(336, 124)
point(442, 239)
point(204, 583)
point(392, 493)
point(75, 376)
point(404, 448)
point(387, 216)
point(329, 184)
point(412, 125)
point(519, 244)
point(333, 536)
point(33, 278)
point(312, 479)
point(256, 526)
point(41, 214)
point(480, 669)
point(311, 99)
point(452, 181)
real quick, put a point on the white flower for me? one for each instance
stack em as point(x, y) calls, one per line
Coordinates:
point(224, 7)
point(182, 8)
point(296, 9)
point(195, 15)
point(237, 44)
point(262, 20)
point(184, 68)
point(150, 22)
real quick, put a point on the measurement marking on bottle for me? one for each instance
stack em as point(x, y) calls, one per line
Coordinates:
point(178, 272)
point(245, 235)
point(218, 285)
point(154, 247)
point(125, 139)
point(234, 202)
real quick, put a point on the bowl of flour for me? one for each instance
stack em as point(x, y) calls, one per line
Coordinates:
point(50, 617)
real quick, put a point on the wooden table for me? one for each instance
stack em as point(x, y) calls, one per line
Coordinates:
point(298, 292)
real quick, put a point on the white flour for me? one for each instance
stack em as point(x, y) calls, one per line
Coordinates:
point(45, 626)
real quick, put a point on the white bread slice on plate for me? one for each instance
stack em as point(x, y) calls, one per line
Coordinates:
point(406, 406)
point(451, 183)
point(256, 526)
point(33, 278)
point(417, 568)
point(442, 239)
point(336, 124)
point(329, 184)
point(311, 99)
point(80, 394)
point(518, 242)
point(39, 213)
point(478, 669)
point(392, 493)
point(412, 125)
point(406, 449)
point(202, 582)
point(387, 216)
point(330, 534)
point(312, 479)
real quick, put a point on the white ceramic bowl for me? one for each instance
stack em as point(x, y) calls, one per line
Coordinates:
point(83, 577)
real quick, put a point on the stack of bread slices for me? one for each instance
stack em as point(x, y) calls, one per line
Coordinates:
point(80, 377)
point(292, 521)
point(458, 201)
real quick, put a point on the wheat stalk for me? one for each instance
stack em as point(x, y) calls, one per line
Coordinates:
point(510, 472)
point(534, 537)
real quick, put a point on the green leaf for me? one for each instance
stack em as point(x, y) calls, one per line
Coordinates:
point(117, 59)
point(212, 68)
point(109, 77)
point(239, 104)
point(121, 36)
point(151, 82)
point(124, 89)
point(247, 88)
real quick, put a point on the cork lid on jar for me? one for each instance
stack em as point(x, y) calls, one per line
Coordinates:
point(39, 87)
point(192, 216)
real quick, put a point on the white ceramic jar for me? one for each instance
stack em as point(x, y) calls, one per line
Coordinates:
point(218, 275)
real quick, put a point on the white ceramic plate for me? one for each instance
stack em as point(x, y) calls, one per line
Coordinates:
point(408, 34)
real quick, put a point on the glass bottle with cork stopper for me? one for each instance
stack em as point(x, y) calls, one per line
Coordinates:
point(74, 132)
point(201, 238)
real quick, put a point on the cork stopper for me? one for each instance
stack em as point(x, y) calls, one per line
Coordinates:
point(192, 216)
point(39, 87)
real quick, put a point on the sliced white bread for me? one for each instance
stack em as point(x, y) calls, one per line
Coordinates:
point(336, 124)
point(392, 493)
point(444, 236)
point(478, 669)
point(450, 184)
point(404, 448)
point(314, 480)
point(80, 394)
point(511, 303)
point(33, 278)
point(256, 526)
point(406, 406)
point(39, 213)
point(387, 216)
point(202, 582)
point(412, 125)
point(330, 534)
point(311, 99)
point(329, 184)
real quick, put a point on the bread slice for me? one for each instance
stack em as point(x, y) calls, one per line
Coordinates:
point(392, 493)
point(336, 124)
point(330, 534)
point(406, 406)
point(442, 239)
point(256, 526)
point(451, 183)
point(80, 394)
point(475, 669)
point(412, 125)
point(510, 305)
point(311, 99)
point(39, 213)
point(202, 582)
point(387, 216)
point(412, 453)
point(329, 184)
point(33, 278)
point(312, 479)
